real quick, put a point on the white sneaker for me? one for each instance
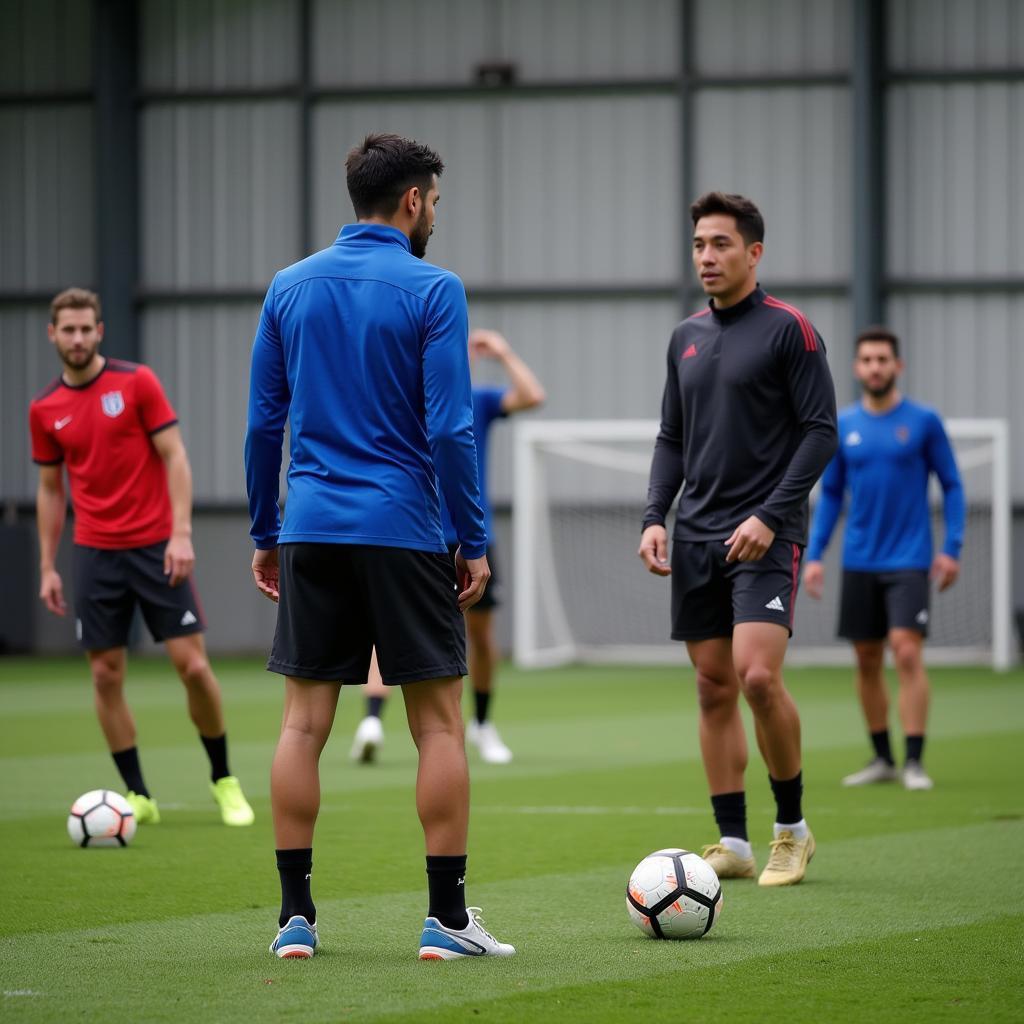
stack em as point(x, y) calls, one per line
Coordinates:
point(440, 943)
point(878, 770)
point(488, 742)
point(369, 736)
point(915, 777)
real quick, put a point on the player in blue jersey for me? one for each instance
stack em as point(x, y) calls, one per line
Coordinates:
point(362, 348)
point(889, 446)
point(489, 404)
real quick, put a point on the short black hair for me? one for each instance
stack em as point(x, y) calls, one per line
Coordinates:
point(749, 221)
point(383, 167)
point(876, 332)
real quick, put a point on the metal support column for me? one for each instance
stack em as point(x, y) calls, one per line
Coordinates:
point(687, 144)
point(117, 172)
point(869, 145)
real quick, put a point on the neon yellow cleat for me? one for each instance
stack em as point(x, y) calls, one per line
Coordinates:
point(727, 863)
point(788, 860)
point(144, 808)
point(234, 808)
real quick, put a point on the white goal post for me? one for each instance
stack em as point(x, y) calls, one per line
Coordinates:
point(581, 594)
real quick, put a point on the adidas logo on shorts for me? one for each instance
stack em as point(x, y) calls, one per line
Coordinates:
point(188, 619)
point(775, 604)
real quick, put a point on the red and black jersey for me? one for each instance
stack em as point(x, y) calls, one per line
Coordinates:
point(748, 419)
point(102, 431)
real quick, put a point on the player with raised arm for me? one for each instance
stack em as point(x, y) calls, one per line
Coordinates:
point(748, 420)
point(888, 448)
point(363, 348)
point(489, 404)
point(110, 423)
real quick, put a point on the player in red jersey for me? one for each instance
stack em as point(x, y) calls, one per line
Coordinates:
point(131, 487)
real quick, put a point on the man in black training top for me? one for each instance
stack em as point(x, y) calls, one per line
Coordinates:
point(748, 420)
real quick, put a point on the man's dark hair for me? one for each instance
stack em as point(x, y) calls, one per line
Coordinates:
point(383, 167)
point(876, 332)
point(749, 221)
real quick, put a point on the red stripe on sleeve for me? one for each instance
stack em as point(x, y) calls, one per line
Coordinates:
point(810, 341)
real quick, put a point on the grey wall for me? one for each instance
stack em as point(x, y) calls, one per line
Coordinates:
point(563, 205)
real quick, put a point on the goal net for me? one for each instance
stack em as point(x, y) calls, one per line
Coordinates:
point(581, 593)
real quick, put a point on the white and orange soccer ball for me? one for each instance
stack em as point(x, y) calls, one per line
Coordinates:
point(674, 894)
point(101, 817)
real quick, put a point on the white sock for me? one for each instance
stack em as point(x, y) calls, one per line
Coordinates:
point(799, 829)
point(741, 847)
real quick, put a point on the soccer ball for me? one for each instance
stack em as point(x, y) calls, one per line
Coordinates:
point(674, 894)
point(101, 817)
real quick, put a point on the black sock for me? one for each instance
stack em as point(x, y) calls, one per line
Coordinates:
point(731, 814)
point(787, 799)
point(127, 762)
point(880, 741)
point(217, 752)
point(446, 880)
point(915, 747)
point(374, 706)
point(483, 703)
point(295, 867)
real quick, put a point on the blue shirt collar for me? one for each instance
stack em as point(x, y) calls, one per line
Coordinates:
point(373, 234)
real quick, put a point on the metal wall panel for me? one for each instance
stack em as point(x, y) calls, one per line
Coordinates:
point(465, 135)
point(45, 45)
point(749, 37)
point(220, 193)
point(368, 42)
point(47, 201)
point(29, 364)
point(788, 149)
point(954, 34)
point(218, 44)
point(956, 160)
point(201, 354)
point(965, 355)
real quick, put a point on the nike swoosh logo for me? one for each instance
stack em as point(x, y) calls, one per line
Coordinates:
point(61, 424)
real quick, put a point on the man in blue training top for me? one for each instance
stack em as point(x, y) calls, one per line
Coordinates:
point(888, 448)
point(363, 348)
point(489, 403)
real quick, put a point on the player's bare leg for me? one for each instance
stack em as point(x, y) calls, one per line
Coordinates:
point(873, 693)
point(108, 671)
point(723, 745)
point(442, 780)
point(483, 660)
point(309, 708)
point(907, 650)
point(759, 649)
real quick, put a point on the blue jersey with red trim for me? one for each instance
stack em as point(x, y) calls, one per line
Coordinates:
point(884, 462)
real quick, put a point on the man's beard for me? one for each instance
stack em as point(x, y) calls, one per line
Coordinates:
point(881, 390)
point(77, 361)
point(420, 236)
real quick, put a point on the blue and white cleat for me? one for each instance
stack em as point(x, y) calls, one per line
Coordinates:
point(296, 940)
point(440, 943)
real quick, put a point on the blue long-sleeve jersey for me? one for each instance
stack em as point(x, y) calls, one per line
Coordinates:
point(884, 461)
point(363, 348)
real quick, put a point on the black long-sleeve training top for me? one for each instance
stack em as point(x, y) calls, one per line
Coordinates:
point(748, 420)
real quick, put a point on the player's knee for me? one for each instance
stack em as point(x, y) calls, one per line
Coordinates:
point(907, 656)
point(760, 685)
point(107, 677)
point(194, 670)
point(714, 694)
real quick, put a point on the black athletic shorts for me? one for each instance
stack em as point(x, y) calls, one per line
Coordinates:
point(492, 595)
point(339, 601)
point(710, 595)
point(110, 583)
point(872, 603)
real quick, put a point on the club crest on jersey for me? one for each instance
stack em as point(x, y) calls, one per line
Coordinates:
point(112, 403)
point(903, 434)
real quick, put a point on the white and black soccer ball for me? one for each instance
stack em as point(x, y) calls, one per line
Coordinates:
point(674, 894)
point(101, 817)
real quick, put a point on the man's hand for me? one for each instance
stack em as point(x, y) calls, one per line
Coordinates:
point(51, 591)
point(489, 344)
point(266, 573)
point(179, 559)
point(814, 579)
point(472, 575)
point(654, 550)
point(945, 571)
point(749, 541)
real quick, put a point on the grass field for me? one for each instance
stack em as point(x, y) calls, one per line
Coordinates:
point(913, 909)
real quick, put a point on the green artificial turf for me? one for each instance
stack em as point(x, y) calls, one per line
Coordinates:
point(913, 909)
